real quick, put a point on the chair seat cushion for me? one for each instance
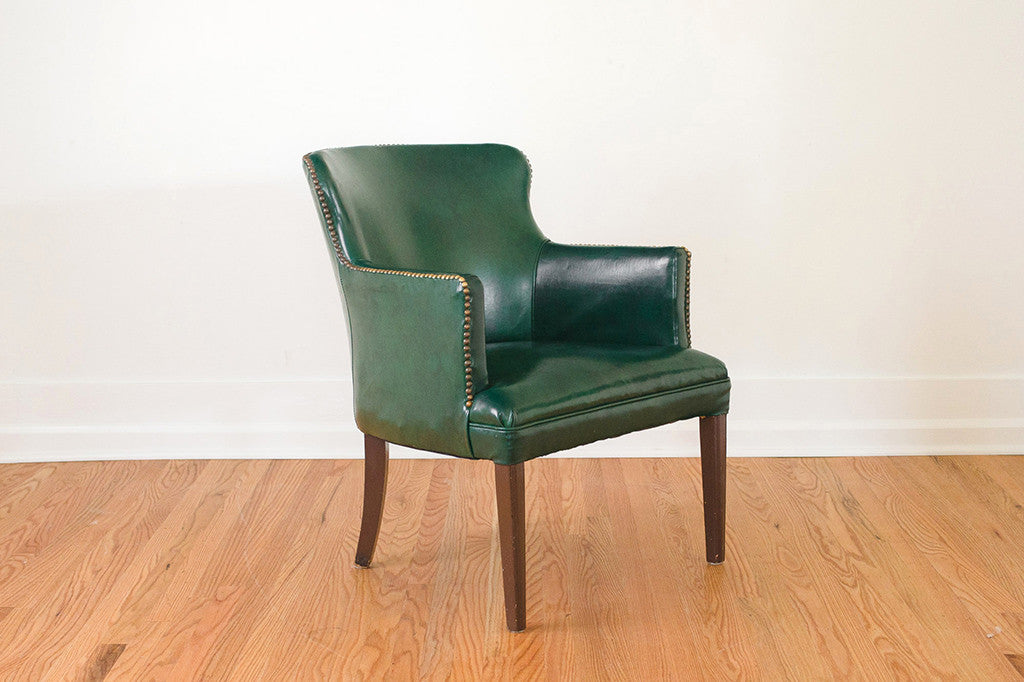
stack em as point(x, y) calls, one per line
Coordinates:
point(544, 397)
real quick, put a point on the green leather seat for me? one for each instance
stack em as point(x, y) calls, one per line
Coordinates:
point(473, 335)
point(545, 397)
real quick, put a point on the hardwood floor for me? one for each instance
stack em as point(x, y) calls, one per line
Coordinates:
point(836, 568)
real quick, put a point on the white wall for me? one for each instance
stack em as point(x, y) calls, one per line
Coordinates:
point(849, 179)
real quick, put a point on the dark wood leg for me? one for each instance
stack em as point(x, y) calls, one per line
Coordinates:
point(510, 489)
point(712, 466)
point(375, 481)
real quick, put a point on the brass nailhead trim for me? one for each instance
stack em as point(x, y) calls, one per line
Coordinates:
point(687, 279)
point(332, 232)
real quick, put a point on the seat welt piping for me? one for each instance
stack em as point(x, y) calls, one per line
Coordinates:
point(595, 408)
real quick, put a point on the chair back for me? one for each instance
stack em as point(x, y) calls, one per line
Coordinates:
point(461, 209)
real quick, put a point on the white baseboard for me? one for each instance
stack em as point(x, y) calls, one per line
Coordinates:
point(804, 416)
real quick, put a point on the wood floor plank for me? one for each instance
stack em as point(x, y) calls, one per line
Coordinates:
point(59, 588)
point(760, 588)
point(205, 600)
point(939, 535)
point(326, 546)
point(628, 557)
point(103, 661)
point(797, 625)
point(316, 559)
point(18, 483)
point(983, 544)
point(851, 589)
point(935, 615)
point(600, 630)
point(468, 588)
point(655, 519)
point(836, 568)
point(124, 611)
point(1017, 661)
point(993, 533)
point(272, 565)
point(56, 510)
point(13, 474)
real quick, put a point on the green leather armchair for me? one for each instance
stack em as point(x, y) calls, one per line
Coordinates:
point(472, 335)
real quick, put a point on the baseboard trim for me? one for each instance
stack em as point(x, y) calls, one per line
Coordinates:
point(54, 421)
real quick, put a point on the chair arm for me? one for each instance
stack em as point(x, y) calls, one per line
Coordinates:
point(629, 295)
point(418, 354)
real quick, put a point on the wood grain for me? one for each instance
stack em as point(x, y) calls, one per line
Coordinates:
point(837, 568)
point(375, 484)
point(104, 660)
point(509, 486)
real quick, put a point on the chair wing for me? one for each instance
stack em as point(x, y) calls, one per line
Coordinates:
point(413, 334)
point(439, 208)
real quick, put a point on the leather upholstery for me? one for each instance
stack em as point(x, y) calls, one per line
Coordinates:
point(545, 397)
point(408, 360)
point(441, 208)
point(474, 336)
point(611, 294)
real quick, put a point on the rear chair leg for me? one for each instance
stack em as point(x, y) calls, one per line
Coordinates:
point(509, 486)
point(712, 466)
point(375, 480)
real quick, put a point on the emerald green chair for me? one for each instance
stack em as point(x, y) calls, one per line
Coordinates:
point(475, 336)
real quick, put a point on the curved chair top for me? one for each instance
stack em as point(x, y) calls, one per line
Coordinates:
point(460, 209)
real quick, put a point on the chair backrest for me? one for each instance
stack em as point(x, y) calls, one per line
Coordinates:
point(460, 209)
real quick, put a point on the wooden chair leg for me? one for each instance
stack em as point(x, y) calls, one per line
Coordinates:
point(375, 480)
point(510, 488)
point(712, 465)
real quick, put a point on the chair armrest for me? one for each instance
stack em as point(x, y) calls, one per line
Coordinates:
point(630, 295)
point(418, 354)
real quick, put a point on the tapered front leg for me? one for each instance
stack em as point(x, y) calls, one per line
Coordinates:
point(375, 480)
point(510, 488)
point(712, 465)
